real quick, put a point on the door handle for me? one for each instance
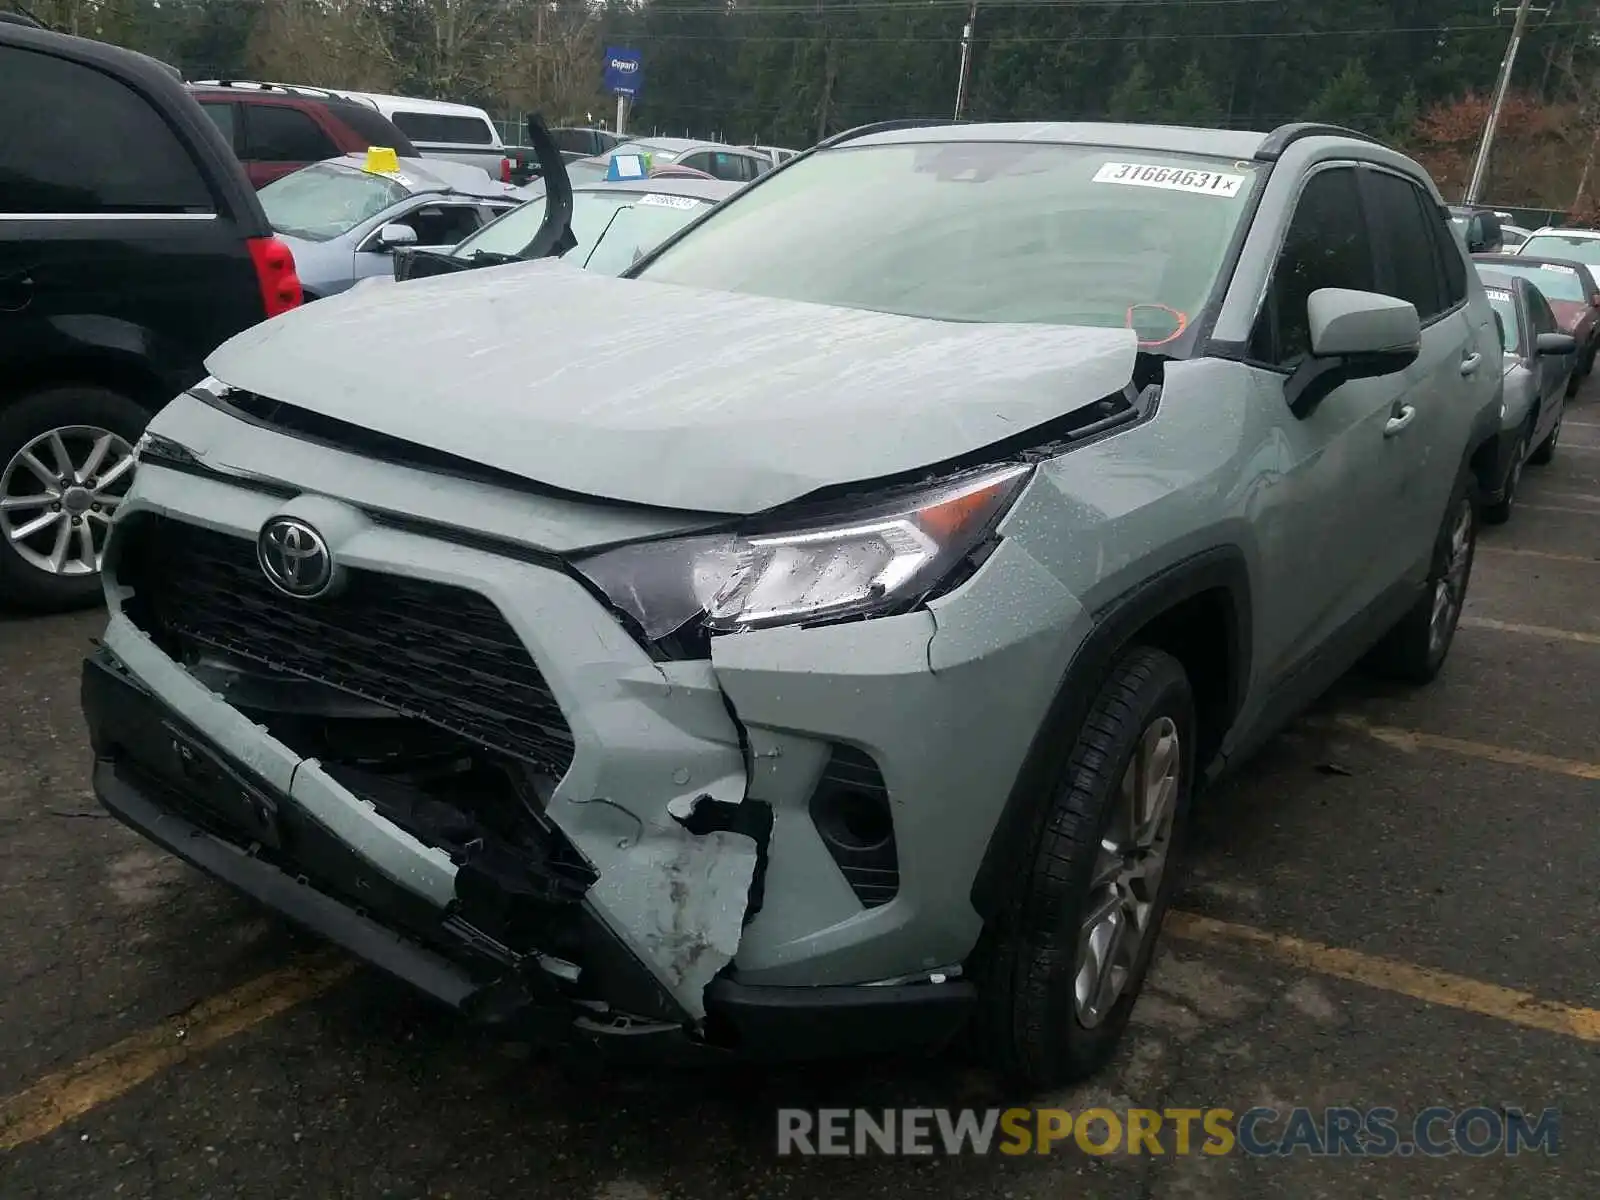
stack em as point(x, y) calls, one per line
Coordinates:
point(1469, 363)
point(1398, 422)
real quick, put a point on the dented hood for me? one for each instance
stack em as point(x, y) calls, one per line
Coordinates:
point(663, 395)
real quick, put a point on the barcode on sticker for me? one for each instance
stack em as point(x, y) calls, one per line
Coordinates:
point(656, 200)
point(1173, 179)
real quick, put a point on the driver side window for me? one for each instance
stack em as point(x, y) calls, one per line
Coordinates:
point(1327, 246)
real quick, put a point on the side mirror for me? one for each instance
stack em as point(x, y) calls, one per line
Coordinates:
point(1557, 343)
point(395, 234)
point(1594, 300)
point(1354, 335)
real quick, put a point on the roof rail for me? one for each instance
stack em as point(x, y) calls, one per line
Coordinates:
point(1281, 138)
point(859, 131)
point(21, 16)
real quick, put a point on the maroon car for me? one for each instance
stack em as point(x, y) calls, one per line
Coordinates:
point(1573, 294)
point(275, 128)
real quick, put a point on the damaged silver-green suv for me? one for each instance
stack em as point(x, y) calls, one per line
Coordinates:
point(812, 641)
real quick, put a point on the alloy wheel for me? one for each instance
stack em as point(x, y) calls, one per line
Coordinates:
point(58, 494)
point(1129, 867)
point(1449, 590)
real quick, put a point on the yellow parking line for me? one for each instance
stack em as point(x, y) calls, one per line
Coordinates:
point(1544, 631)
point(1545, 554)
point(48, 1104)
point(1401, 978)
point(1411, 740)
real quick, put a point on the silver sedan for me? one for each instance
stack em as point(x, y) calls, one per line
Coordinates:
point(343, 221)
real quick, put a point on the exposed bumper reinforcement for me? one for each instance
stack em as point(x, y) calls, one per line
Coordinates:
point(313, 879)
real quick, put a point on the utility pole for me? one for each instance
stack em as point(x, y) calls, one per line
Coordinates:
point(966, 58)
point(1480, 166)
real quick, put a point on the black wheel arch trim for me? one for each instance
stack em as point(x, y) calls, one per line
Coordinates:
point(1115, 624)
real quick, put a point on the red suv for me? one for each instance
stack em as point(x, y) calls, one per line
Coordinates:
point(275, 128)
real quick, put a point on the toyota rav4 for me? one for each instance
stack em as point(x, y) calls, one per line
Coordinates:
point(813, 640)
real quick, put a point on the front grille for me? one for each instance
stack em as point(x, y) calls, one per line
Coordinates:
point(440, 654)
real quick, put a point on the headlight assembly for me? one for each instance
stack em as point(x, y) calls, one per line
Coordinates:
point(864, 562)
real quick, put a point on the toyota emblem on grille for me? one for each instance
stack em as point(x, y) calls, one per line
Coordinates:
point(294, 557)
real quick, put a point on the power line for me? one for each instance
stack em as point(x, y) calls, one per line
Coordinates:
point(1057, 39)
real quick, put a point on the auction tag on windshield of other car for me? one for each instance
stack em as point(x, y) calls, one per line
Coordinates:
point(656, 200)
point(1497, 294)
point(1557, 270)
point(1173, 179)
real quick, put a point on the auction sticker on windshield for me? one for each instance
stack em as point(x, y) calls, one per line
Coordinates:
point(1497, 294)
point(656, 200)
point(1173, 179)
point(1557, 269)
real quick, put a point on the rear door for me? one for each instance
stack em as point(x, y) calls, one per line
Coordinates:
point(280, 138)
point(1455, 374)
point(122, 218)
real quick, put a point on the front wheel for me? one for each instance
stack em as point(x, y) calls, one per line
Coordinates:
point(1415, 649)
point(1546, 450)
point(1057, 983)
point(1499, 512)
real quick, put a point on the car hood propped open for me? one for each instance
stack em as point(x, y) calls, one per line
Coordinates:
point(668, 396)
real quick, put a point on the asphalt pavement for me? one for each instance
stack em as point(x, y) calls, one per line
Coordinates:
point(1396, 906)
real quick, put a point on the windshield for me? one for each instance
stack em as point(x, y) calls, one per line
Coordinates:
point(591, 212)
point(1560, 245)
point(980, 231)
point(1556, 282)
point(324, 200)
point(1506, 308)
point(639, 228)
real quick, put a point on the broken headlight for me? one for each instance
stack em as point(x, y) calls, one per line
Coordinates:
point(843, 563)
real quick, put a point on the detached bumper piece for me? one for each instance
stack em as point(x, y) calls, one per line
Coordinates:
point(165, 780)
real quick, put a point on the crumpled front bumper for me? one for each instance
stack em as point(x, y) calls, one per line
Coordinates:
point(164, 778)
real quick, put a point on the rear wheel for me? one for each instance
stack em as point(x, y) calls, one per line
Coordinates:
point(1415, 649)
point(1057, 983)
point(66, 460)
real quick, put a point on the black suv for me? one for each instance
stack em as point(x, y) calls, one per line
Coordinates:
point(131, 246)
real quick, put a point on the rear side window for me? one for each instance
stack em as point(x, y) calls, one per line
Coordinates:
point(280, 134)
point(90, 144)
point(1327, 246)
point(225, 117)
point(443, 128)
point(1449, 249)
point(1405, 244)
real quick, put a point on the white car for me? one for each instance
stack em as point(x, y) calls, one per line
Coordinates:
point(1573, 245)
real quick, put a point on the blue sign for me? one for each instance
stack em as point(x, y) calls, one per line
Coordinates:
point(624, 71)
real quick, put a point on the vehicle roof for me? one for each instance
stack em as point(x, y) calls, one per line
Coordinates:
point(439, 175)
point(714, 190)
point(698, 189)
point(1221, 143)
point(680, 146)
point(1534, 260)
point(1565, 232)
point(415, 104)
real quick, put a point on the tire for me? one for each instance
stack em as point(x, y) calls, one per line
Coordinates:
point(1499, 512)
point(1546, 450)
point(83, 416)
point(1030, 1025)
point(1413, 652)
